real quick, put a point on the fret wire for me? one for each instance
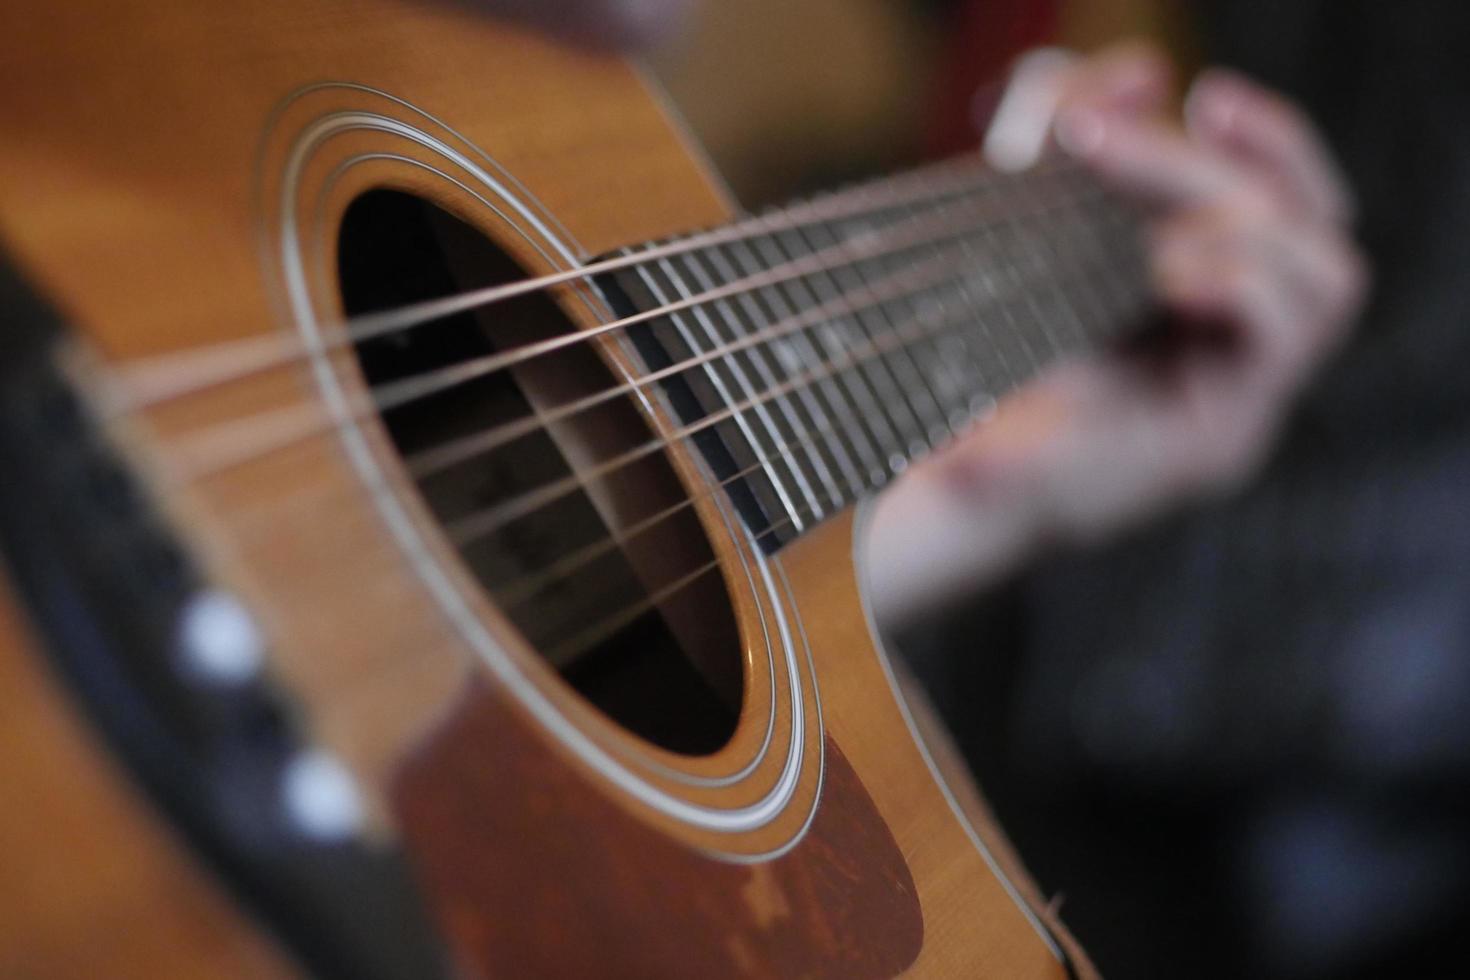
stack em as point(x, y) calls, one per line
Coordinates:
point(529, 584)
point(568, 563)
point(1068, 248)
point(368, 325)
point(895, 410)
point(164, 377)
point(1078, 229)
point(1091, 263)
point(979, 381)
point(790, 298)
point(995, 271)
point(1002, 237)
point(905, 370)
point(858, 393)
point(1060, 277)
point(489, 521)
point(712, 267)
point(783, 302)
point(1116, 264)
point(783, 493)
point(824, 456)
point(923, 355)
point(1052, 306)
point(788, 358)
point(957, 388)
point(987, 352)
point(775, 431)
point(584, 556)
point(476, 525)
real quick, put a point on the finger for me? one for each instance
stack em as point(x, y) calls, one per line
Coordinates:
point(1132, 78)
point(1127, 79)
point(1149, 159)
point(1018, 130)
point(1324, 271)
point(1264, 132)
point(1266, 290)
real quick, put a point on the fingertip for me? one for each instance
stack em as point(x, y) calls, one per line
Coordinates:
point(1133, 78)
point(1027, 110)
point(1214, 103)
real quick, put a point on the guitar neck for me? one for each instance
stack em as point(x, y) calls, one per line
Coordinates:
point(835, 341)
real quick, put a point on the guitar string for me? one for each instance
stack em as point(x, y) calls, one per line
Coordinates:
point(473, 526)
point(994, 297)
point(467, 530)
point(587, 638)
point(851, 303)
point(243, 440)
point(525, 587)
point(521, 589)
point(162, 378)
point(923, 324)
point(427, 462)
point(528, 585)
point(517, 507)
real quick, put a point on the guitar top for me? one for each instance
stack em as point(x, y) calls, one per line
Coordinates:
point(429, 513)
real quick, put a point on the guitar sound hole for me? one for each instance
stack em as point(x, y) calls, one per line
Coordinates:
point(584, 559)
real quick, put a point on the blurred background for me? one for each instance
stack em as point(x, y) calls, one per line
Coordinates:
point(1234, 744)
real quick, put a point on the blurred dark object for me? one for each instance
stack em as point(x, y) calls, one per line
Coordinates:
point(1237, 742)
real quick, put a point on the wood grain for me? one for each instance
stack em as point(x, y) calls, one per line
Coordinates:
point(135, 140)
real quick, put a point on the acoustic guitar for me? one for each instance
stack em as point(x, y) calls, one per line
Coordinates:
point(429, 512)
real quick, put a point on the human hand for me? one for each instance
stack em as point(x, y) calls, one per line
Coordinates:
point(1250, 251)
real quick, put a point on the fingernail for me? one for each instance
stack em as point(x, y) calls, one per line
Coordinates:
point(1023, 120)
point(1080, 132)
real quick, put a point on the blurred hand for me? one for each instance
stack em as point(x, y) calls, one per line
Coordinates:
point(1250, 250)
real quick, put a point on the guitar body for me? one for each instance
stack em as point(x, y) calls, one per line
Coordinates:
point(161, 165)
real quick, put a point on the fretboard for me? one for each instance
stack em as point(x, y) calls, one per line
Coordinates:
point(830, 344)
